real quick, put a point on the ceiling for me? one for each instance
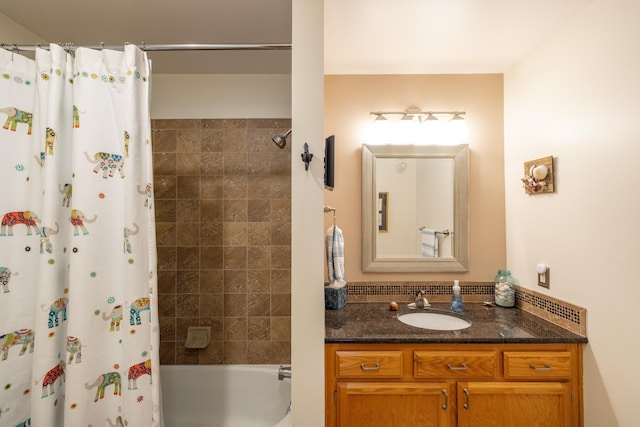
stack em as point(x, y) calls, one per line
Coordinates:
point(361, 36)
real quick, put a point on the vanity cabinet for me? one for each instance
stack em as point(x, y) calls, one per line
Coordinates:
point(462, 385)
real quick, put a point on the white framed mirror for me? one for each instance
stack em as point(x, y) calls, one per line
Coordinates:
point(414, 208)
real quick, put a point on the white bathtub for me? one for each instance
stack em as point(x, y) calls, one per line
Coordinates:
point(224, 396)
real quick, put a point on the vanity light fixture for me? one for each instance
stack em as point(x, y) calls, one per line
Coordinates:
point(421, 116)
point(430, 117)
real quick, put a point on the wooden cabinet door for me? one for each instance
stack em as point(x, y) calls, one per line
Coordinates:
point(394, 404)
point(508, 404)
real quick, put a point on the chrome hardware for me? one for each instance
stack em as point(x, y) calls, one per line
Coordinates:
point(466, 393)
point(446, 400)
point(540, 368)
point(463, 367)
point(284, 372)
point(370, 368)
point(421, 299)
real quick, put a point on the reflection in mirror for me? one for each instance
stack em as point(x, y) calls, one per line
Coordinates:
point(416, 186)
point(414, 208)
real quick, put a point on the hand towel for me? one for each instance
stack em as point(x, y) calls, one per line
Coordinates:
point(429, 243)
point(335, 256)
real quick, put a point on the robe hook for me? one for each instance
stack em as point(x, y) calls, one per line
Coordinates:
point(306, 156)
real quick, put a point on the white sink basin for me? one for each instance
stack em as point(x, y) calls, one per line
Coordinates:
point(435, 321)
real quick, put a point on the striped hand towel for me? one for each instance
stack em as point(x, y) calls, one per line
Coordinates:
point(429, 243)
point(335, 255)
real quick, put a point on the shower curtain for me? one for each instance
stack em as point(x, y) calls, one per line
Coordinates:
point(78, 302)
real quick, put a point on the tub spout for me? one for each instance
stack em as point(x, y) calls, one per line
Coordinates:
point(284, 372)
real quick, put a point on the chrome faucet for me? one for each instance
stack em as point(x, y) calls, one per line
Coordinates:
point(421, 300)
point(284, 372)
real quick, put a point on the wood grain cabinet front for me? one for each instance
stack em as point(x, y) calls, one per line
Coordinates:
point(369, 364)
point(455, 364)
point(440, 385)
point(504, 404)
point(387, 404)
point(537, 365)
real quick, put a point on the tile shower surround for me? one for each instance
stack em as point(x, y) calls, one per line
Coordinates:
point(223, 218)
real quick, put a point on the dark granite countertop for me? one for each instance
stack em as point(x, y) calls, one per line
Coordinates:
point(375, 323)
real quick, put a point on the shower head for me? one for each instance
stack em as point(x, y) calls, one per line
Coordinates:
point(281, 140)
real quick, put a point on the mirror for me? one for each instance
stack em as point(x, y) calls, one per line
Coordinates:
point(414, 208)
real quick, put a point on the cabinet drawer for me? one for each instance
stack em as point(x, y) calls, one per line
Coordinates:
point(537, 365)
point(368, 364)
point(454, 364)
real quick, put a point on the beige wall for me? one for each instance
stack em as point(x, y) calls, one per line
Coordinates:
point(222, 96)
point(577, 98)
point(12, 32)
point(307, 294)
point(348, 101)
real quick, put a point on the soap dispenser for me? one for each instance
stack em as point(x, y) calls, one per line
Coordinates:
point(456, 298)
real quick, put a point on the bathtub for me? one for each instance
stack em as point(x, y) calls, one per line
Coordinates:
point(224, 396)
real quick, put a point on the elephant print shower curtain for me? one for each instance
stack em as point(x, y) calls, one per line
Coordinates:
point(78, 326)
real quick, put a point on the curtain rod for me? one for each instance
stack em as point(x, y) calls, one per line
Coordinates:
point(163, 47)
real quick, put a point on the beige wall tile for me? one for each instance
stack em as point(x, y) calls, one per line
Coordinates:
point(165, 210)
point(212, 233)
point(235, 257)
point(165, 163)
point(258, 352)
point(188, 140)
point(188, 164)
point(211, 187)
point(212, 281)
point(235, 352)
point(164, 141)
point(188, 210)
point(281, 305)
point(258, 281)
point(164, 186)
point(187, 234)
point(188, 282)
point(235, 281)
point(211, 257)
point(223, 211)
point(235, 234)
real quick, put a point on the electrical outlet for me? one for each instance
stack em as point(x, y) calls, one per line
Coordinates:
point(543, 278)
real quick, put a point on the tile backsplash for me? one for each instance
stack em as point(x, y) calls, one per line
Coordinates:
point(223, 218)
